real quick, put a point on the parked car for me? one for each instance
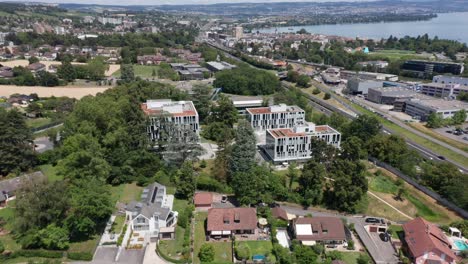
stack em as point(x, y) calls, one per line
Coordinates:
point(384, 237)
point(441, 157)
point(372, 220)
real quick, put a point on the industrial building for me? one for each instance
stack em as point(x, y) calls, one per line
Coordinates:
point(442, 90)
point(297, 143)
point(275, 116)
point(449, 79)
point(216, 66)
point(424, 69)
point(421, 109)
point(359, 86)
point(347, 75)
point(388, 95)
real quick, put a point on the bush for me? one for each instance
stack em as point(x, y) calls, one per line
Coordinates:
point(327, 96)
point(121, 237)
point(169, 259)
point(242, 251)
point(38, 253)
point(80, 256)
point(350, 245)
point(316, 91)
point(206, 253)
point(2, 247)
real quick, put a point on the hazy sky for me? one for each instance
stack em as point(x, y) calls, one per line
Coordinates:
point(174, 2)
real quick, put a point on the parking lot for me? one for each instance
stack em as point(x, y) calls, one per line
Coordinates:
point(450, 132)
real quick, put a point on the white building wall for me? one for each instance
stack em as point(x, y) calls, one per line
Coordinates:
point(275, 120)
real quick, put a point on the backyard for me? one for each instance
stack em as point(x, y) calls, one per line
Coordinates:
point(263, 248)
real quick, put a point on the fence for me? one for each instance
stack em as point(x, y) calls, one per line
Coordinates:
point(37, 129)
point(423, 189)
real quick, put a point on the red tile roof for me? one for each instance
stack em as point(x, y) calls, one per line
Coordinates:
point(203, 199)
point(333, 226)
point(217, 216)
point(422, 236)
point(280, 213)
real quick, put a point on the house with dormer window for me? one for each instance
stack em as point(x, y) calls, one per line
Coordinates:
point(152, 217)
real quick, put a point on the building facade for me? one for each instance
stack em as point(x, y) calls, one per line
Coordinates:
point(275, 116)
point(359, 86)
point(388, 95)
point(421, 109)
point(297, 144)
point(448, 79)
point(442, 90)
point(172, 119)
point(422, 68)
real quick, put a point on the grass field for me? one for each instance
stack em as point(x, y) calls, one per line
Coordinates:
point(199, 232)
point(394, 230)
point(173, 248)
point(118, 224)
point(50, 172)
point(351, 257)
point(382, 184)
point(397, 54)
point(126, 193)
point(38, 122)
point(143, 71)
point(264, 248)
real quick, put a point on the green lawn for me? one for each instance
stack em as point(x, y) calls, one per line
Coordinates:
point(118, 224)
point(173, 248)
point(394, 230)
point(85, 246)
point(382, 184)
point(261, 248)
point(7, 217)
point(351, 257)
point(423, 210)
point(179, 205)
point(50, 172)
point(223, 252)
point(199, 232)
point(126, 193)
point(38, 122)
point(143, 71)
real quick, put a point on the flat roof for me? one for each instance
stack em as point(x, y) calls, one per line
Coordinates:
point(288, 132)
point(394, 91)
point(167, 106)
point(441, 104)
point(275, 109)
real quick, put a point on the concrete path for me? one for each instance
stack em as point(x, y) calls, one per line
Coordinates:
point(391, 206)
point(151, 257)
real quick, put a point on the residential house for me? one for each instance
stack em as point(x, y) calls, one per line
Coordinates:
point(427, 243)
point(152, 217)
point(203, 200)
point(325, 230)
point(36, 67)
point(224, 222)
point(8, 187)
point(151, 59)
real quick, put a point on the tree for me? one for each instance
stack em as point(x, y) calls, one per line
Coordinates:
point(2, 247)
point(242, 251)
point(54, 237)
point(186, 181)
point(224, 111)
point(303, 81)
point(352, 149)
point(311, 183)
point(33, 59)
point(153, 74)
point(459, 117)
point(66, 71)
point(97, 68)
point(48, 79)
point(435, 120)
point(292, 76)
point(304, 254)
point(292, 174)
point(245, 80)
point(242, 156)
point(201, 100)
point(363, 127)
point(363, 259)
point(251, 187)
point(206, 253)
point(91, 205)
point(15, 143)
point(401, 192)
point(127, 73)
point(327, 96)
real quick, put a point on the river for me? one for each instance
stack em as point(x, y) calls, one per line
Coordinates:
point(452, 26)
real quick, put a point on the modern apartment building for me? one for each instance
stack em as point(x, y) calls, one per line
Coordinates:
point(171, 119)
point(442, 90)
point(296, 144)
point(275, 116)
point(422, 68)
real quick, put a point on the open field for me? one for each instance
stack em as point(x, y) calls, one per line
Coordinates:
point(41, 91)
point(454, 143)
point(400, 54)
point(126, 193)
point(143, 71)
point(38, 122)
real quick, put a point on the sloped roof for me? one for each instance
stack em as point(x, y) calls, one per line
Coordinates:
point(320, 228)
point(203, 198)
point(246, 219)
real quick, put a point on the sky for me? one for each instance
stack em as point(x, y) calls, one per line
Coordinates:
point(173, 2)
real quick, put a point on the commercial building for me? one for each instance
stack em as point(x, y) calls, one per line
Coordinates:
point(448, 79)
point(375, 64)
point(110, 20)
point(275, 116)
point(325, 230)
point(421, 68)
point(442, 90)
point(347, 75)
point(190, 71)
point(216, 66)
point(427, 243)
point(388, 95)
point(360, 86)
point(297, 144)
point(225, 222)
point(242, 102)
point(172, 118)
point(152, 217)
point(238, 32)
point(330, 78)
point(421, 109)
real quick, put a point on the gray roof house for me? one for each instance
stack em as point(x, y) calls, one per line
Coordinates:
point(152, 217)
point(8, 187)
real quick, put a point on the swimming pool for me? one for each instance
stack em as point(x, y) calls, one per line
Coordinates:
point(460, 245)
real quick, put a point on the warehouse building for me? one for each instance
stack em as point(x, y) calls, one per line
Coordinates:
point(421, 109)
point(388, 95)
point(359, 86)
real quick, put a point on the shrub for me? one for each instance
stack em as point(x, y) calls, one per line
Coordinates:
point(350, 245)
point(206, 253)
point(38, 253)
point(242, 251)
point(327, 96)
point(80, 256)
point(316, 91)
point(121, 237)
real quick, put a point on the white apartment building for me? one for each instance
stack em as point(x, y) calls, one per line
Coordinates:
point(173, 118)
point(275, 116)
point(295, 144)
point(449, 79)
point(110, 20)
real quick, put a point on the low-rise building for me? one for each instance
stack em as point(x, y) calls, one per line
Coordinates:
point(297, 144)
point(347, 75)
point(225, 222)
point(421, 109)
point(325, 230)
point(216, 66)
point(242, 102)
point(388, 95)
point(449, 79)
point(442, 90)
point(153, 217)
point(275, 116)
point(36, 67)
point(190, 71)
point(203, 200)
point(427, 243)
point(172, 118)
point(359, 86)
point(151, 59)
point(375, 64)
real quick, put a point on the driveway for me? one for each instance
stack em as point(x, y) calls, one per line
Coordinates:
point(42, 144)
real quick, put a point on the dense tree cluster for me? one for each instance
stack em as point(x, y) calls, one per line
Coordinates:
point(436, 120)
point(246, 81)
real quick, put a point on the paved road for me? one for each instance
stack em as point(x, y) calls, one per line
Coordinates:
point(381, 252)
